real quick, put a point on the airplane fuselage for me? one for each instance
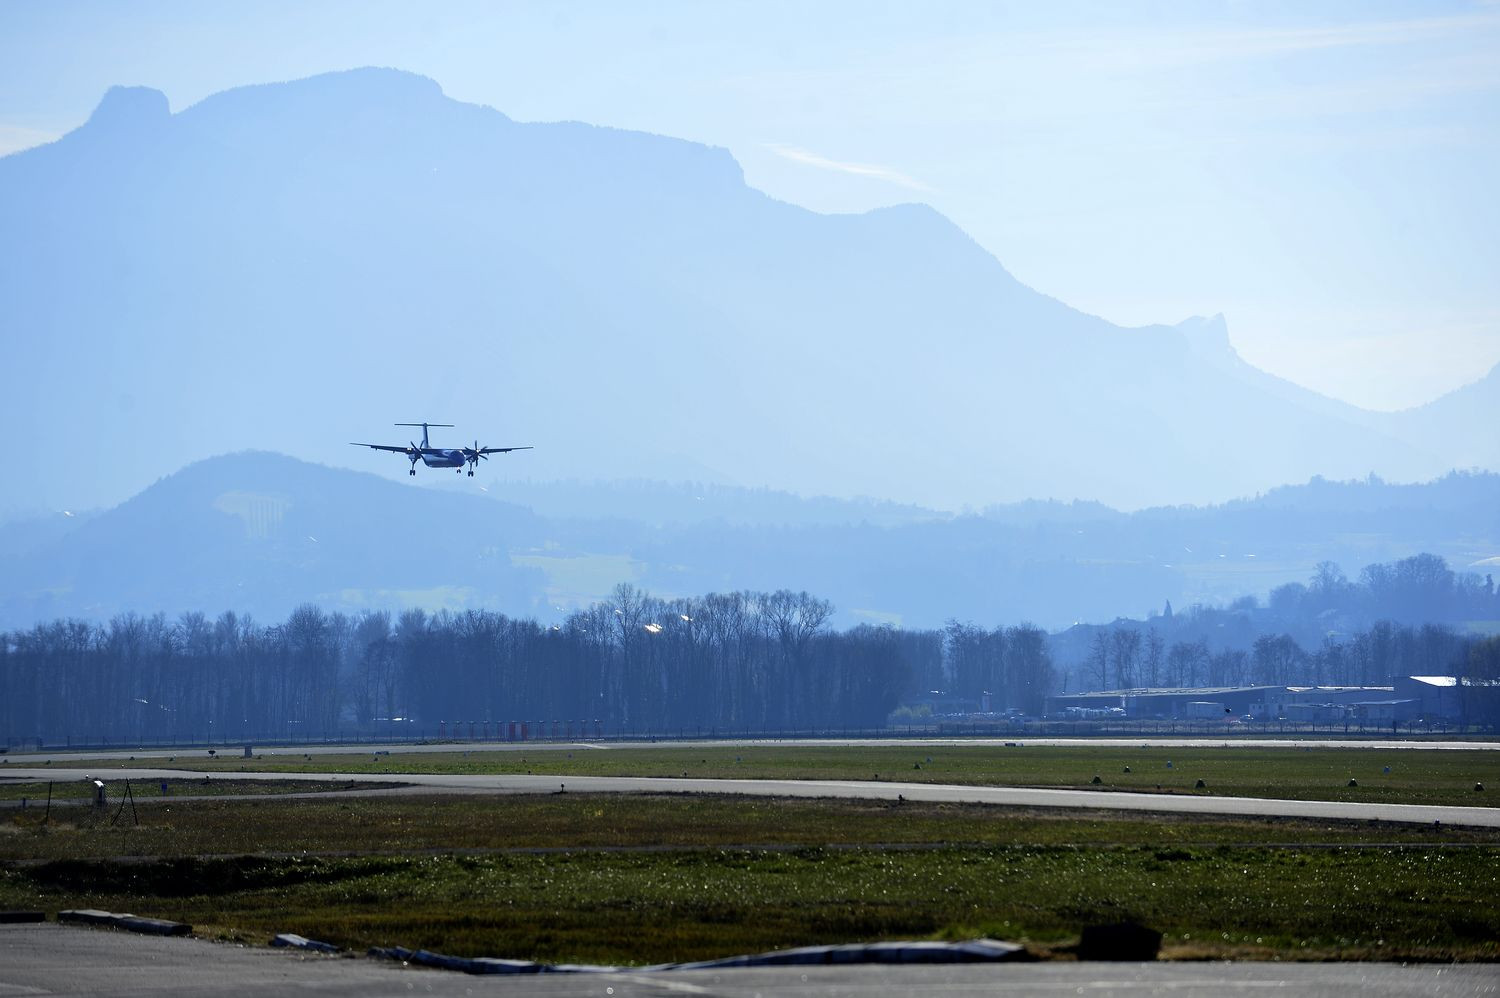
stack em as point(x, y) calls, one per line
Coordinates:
point(443, 457)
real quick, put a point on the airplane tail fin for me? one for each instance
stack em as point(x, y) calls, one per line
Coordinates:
point(425, 444)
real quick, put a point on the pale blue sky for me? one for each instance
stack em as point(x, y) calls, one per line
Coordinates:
point(1323, 174)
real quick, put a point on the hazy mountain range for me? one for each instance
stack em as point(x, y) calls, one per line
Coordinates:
point(262, 533)
point(294, 266)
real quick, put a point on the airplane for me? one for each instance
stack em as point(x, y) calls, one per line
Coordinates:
point(441, 457)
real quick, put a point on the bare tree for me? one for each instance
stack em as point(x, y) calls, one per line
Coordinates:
point(1098, 660)
point(1125, 651)
point(1153, 658)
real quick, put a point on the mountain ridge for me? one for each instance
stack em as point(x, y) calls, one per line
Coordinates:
point(261, 533)
point(624, 300)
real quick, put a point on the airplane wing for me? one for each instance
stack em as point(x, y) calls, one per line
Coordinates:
point(497, 450)
point(394, 450)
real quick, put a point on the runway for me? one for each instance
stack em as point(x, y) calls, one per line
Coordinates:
point(52, 959)
point(230, 750)
point(1184, 803)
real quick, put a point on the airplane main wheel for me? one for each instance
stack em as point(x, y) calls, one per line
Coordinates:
point(412, 471)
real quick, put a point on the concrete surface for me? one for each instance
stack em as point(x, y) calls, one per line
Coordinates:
point(1183, 803)
point(52, 959)
point(232, 750)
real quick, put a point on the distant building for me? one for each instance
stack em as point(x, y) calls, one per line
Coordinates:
point(1207, 709)
point(1318, 704)
point(1312, 713)
point(1387, 711)
point(1413, 698)
point(1167, 703)
point(1437, 696)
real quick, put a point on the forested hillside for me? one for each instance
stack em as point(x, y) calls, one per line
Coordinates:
point(263, 533)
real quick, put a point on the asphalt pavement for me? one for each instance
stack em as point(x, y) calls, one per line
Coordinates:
point(231, 750)
point(1184, 803)
point(52, 959)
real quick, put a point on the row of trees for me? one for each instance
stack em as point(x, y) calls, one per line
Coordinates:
point(1011, 664)
point(1401, 617)
point(743, 661)
point(737, 661)
point(1129, 656)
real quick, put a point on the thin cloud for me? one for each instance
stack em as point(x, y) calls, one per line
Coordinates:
point(873, 171)
point(1169, 48)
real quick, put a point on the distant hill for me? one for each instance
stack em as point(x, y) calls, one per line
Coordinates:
point(662, 504)
point(297, 265)
point(262, 533)
point(1464, 424)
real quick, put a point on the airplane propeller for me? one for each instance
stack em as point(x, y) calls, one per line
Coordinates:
point(474, 456)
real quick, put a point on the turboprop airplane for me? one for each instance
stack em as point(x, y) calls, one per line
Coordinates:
point(441, 457)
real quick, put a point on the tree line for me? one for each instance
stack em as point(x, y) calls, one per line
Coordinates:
point(744, 661)
point(1407, 617)
point(1134, 656)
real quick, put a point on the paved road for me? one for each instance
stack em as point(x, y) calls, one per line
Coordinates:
point(1145, 741)
point(872, 790)
point(52, 959)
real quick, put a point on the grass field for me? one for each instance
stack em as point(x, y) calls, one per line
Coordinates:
point(638, 879)
point(36, 792)
point(1405, 776)
point(654, 878)
point(397, 825)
